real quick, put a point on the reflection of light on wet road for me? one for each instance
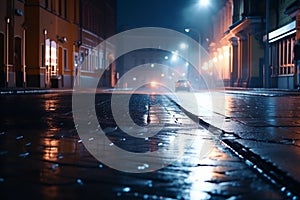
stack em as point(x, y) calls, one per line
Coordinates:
point(152, 117)
point(55, 149)
point(200, 150)
point(195, 103)
point(210, 106)
point(197, 179)
point(51, 149)
point(51, 105)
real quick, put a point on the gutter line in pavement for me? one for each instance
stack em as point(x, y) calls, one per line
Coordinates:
point(279, 178)
point(287, 184)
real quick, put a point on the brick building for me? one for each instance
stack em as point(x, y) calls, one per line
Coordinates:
point(47, 43)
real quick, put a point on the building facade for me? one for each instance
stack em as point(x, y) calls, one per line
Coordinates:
point(220, 48)
point(238, 33)
point(282, 38)
point(248, 57)
point(12, 47)
point(47, 43)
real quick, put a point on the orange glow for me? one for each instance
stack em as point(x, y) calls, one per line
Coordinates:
point(50, 105)
point(51, 150)
point(47, 53)
point(153, 84)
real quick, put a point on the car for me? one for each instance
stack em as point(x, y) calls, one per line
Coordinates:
point(183, 85)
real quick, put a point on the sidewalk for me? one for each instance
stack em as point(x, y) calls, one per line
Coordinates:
point(262, 91)
point(30, 90)
point(262, 126)
point(9, 91)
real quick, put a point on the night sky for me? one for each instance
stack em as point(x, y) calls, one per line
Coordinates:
point(173, 14)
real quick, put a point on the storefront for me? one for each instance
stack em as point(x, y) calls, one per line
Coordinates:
point(282, 42)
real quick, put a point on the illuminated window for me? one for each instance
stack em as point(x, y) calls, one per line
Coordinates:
point(51, 57)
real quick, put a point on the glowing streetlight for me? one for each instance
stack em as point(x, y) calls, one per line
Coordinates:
point(204, 3)
point(174, 56)
point(7, 52)
point(183, 46)
point(187, 30)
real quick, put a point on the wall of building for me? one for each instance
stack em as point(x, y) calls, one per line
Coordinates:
point(46, 40)
point(282, 39)
point(283, 18)
point(98, 23)
point(220, 49)
point(11, 40)
point(245, 37)
point(237, 49)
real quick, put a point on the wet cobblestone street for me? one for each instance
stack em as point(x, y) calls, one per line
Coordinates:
point(42, 157)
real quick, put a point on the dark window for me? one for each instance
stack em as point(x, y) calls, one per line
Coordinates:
point(59, 8)
point(65, 59)
point(66, 10)
point(46, 4)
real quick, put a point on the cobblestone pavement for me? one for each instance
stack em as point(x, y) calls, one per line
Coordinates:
point(261, 126)
point(42, 156)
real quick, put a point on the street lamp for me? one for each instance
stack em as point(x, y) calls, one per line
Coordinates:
point(198, 38)
point(188, 30)
point(266, 79)
point(24, 54)
point(204, 3)
point(45, 58)
point(7, 52)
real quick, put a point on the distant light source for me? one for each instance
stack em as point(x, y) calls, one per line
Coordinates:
point(61, 39)
point(183, 46)
point(153, 84)
point(187, 30)
point(204, 3)
point(174, 56)
point(215, 59)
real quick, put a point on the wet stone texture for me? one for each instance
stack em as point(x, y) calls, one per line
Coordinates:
point(263, 127)
point(42, 156)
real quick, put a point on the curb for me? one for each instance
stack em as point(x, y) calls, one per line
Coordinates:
point(268, 92)
point(287, 184)
point(32, 91)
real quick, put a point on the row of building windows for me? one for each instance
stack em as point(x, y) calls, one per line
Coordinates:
point(93, 61)
point(94, 19)
point(50, 57)
point(64, 9)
